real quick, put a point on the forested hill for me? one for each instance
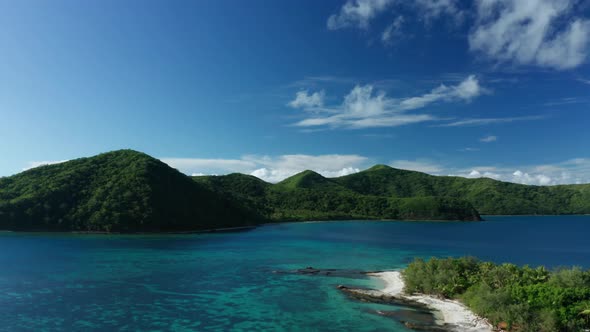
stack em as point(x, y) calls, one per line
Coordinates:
point(120, 191)
point(310, 196)
point(488, 196)
point(389, 193)
point(129, 191)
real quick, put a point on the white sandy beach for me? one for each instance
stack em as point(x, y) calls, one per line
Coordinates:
point(451, 312)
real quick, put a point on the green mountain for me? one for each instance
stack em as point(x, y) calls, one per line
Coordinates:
point(120, 191)
point(383, 192)
point(128, 191)
point(310, 196)
point(488, 196)
point(309, 180)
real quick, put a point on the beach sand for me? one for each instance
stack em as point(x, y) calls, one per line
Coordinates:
point(453, 313)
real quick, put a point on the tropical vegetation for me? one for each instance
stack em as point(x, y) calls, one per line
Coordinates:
point(512, 297)
point(121, 191)
point(129, 191)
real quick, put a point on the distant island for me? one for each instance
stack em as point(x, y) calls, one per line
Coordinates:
point(129, 191)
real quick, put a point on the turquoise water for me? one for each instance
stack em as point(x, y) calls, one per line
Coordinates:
point(226, 281)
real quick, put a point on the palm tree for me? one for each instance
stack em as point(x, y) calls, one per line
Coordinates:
point(586, 314)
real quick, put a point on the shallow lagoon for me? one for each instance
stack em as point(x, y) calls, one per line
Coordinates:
point(226, 281)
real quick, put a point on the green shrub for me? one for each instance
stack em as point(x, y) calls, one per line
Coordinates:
point(525, 298)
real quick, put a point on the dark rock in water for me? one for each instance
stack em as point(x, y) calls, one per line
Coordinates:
point(421, 317)
point(308, 270)
point(352, 274)
point(418, 320)
point(375, 296)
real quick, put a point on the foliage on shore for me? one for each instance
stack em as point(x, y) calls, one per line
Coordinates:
point(522, 298)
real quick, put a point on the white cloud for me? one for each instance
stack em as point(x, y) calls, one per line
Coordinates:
point(392, 31)
point(357, 13)
point(488, 139)
point(303, 99)
point(531, 32)
point(566, 172)
point(525, 178)
point(417, 165)
point(364, 107)
point(34, 164)
point(432, 9)
point(570, 171)
point(485, 174)
point(277, 168)
point(487, 121)
point(466, 90)
point(272, 169)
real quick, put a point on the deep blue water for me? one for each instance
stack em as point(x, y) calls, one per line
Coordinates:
point(226, 282)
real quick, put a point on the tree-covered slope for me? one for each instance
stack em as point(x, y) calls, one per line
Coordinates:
point(488, 196)
point(128, 191)
point(123, 191)
point(310, 196)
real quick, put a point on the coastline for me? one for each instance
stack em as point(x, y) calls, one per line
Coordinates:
point(202, 231)
point(449, 313)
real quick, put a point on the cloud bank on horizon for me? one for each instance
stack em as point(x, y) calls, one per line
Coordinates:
point(276, 169)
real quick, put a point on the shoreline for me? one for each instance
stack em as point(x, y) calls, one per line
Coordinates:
point(202, 231)
point(449, 313)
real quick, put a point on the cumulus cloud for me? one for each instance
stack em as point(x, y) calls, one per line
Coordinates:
point(272, 169)
point(34, 164)
point(364, 107)
point(357, 13)
point(533, 32)
point(572, 171)
point(488, 139)
point(303, 99)
point(515, 177)
point(483, 174)
point(567, 172)
point(525, 178)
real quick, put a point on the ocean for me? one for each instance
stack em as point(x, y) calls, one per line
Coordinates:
point(244, 281)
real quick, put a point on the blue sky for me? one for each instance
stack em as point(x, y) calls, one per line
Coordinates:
point(497, 88)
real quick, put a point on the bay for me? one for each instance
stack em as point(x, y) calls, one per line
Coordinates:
point(235, 281)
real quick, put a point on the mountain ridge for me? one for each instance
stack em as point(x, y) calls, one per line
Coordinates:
point(129, 191)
